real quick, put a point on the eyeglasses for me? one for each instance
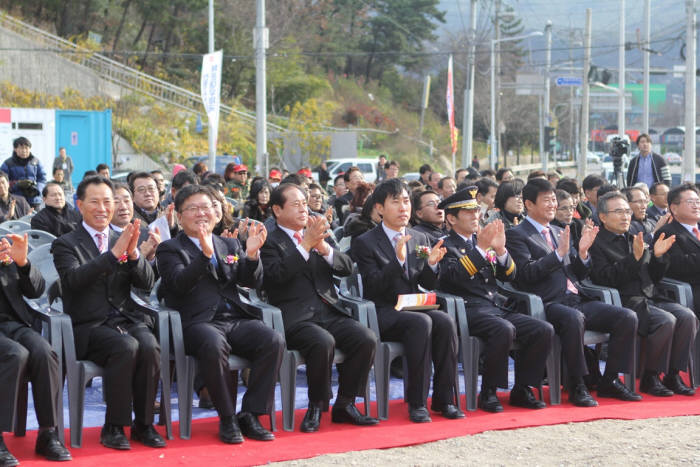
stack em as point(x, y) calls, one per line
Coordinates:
point(204, 208)
point(432, 204)
point(692, 202)
point(146, 189)
point(621, 212)
point(566, 208)
point(640, 201)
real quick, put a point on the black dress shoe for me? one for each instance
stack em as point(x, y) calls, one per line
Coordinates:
point(418, 414)
point(651, 384)
point(488, 401)
point(450, 411)
point(580, 397)
point(312, 419)
point(6, 458)
point(48, 445)
point(523, 397)
point(675, 383)
point(229, 432)
point(251, 427)
point(147, 435)
point(350, 414)
point(112, 436)
point(617, 390)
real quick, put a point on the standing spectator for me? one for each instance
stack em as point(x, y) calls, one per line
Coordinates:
point(475, 162)
point(433, 180)
point(103, 169)
point(339, 190)
point(26, 175)
point(64, 162)
point(425, 170)
point(274, 177)
point(460, 175)
point(200, 169)
point(236, 176)
point(323, 175)
point(57, 217)
point(391, 170)
point(647, 166)
point(381, 168)
point(11, 206)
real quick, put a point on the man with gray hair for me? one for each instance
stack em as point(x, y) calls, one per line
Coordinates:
point(624, 261)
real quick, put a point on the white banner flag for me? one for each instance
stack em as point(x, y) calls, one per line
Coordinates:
point(211, 88)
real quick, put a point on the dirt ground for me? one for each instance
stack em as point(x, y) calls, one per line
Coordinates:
point(656, 441)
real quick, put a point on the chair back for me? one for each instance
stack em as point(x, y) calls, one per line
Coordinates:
point(42, 258)
point(16, 226)
point(37, 238)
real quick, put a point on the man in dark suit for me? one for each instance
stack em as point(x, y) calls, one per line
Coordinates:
point(684, 255)
point(475, 259)
point(623, 261)
point(390, 266)
point(200, 274)
point(97, 268)
point(298, 267)
point(23, 352)
point(658, 194)
point(550, 268)
point(56, 217)
point(427, 217)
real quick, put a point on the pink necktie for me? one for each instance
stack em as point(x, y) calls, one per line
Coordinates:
point(696, 232)
point(297, 237)
point(548, 238)
point(100, 241)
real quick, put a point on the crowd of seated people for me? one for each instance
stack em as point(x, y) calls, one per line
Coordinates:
point(284, 236)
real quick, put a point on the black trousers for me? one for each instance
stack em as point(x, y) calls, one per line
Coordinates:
point(131, 363)
point(24, 352)
point(672, 330)
point(500, 329)
point(573, 316)
point(212, 343)
point(317, 340)
point(428, 337)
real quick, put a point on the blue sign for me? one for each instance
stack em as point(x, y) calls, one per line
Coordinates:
point(569, 81)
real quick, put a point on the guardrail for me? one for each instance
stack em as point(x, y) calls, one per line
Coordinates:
point(119, 73)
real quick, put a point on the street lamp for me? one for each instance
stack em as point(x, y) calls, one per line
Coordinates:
point(492, 157)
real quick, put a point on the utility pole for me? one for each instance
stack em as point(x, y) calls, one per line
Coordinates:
point(688, 167)
point(621, 85)
point(583, 148)
point(647, 59)
point(468, 112)
point(497, 31)
point(548, 64)
point(260, 38)
point(572, 151)
point(211, 130)
point(424, 104)
point(493, 158)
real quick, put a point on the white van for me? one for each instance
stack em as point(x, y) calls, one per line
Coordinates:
point(368, 167)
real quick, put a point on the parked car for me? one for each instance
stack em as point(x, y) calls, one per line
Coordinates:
point(673, 158)
point(368, 167)
point(411, 176)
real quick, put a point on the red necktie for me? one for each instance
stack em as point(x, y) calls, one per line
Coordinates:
point(548, 238)
point(697, 233)
point(297, 237)
point(100, 241)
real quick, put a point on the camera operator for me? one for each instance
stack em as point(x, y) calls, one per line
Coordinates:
point(647, 167)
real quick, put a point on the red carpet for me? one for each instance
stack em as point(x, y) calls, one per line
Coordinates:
point(204, 446)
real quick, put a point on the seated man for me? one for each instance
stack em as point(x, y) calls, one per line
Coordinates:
point(200, 273)
point(390, 265)
point(299, 266)
point(469, 270)
point(124, 215)
point(550, 268)
point(57, 217)
point(684, 255)
point(24, 352)
point(98, 268)
point(623, 261)
point(428, 218)
point(147, 201)
point(658, 194)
